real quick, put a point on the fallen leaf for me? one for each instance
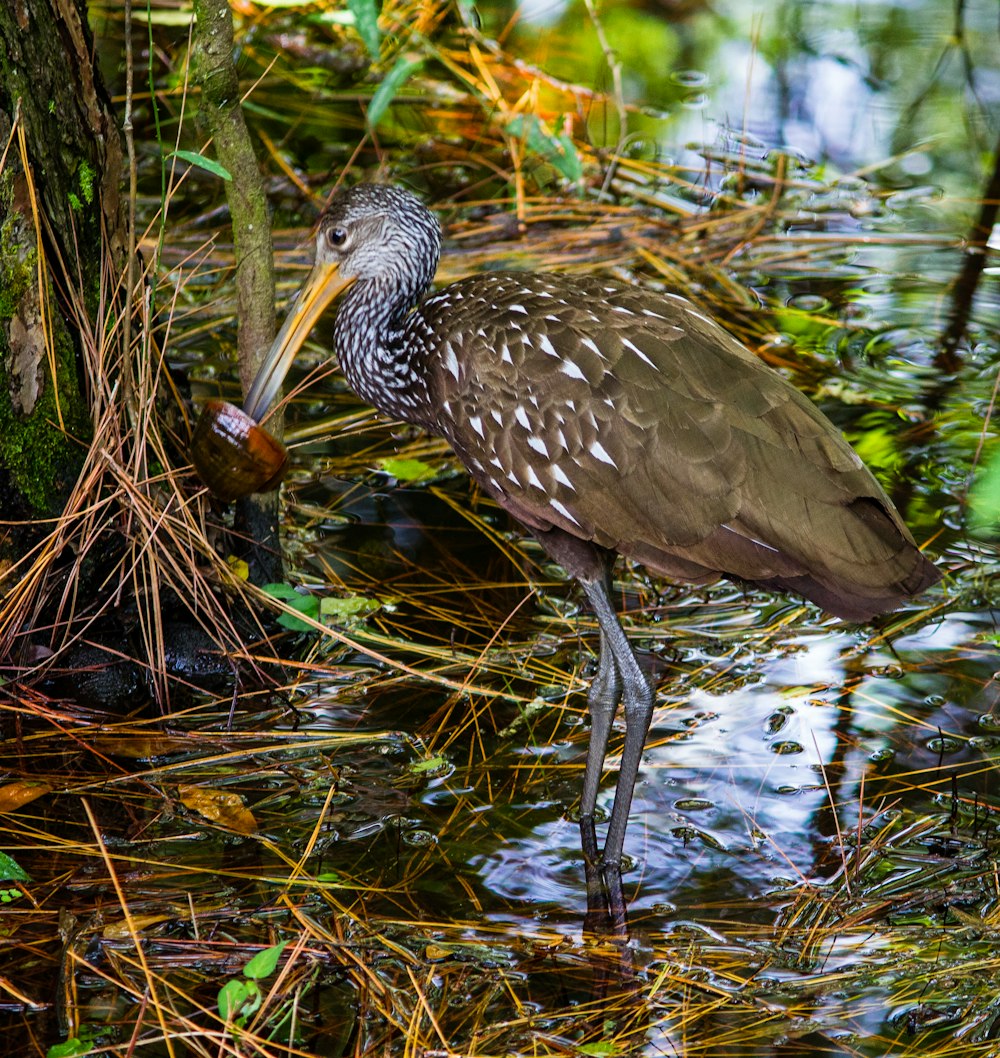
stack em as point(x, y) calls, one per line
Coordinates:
point(17, 794)
point(220, 806)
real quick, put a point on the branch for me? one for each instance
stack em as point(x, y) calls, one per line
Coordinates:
point(223, 117)
point(257, 516)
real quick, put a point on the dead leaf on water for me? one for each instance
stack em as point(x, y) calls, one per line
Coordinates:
point(17, 794)
point(220, 806)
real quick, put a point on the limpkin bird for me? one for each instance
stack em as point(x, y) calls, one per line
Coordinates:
point(608, 420)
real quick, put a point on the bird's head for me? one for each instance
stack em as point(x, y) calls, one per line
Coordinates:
point(377, 230)
point(373, 233)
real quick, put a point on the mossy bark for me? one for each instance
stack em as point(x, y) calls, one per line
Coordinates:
point(62, 178)
point(221, 113)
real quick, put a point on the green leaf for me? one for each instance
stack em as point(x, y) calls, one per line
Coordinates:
point(210, 166)
point(238, 999)
point(11, 870)
point(8, 896)
point(470, 15)
point(407, 469)
point(565, 158)
point(365, 14)
point(279, 590)
point(404, 68)
point(343, 611)
point(984, 499)
point(597, 1050)
point(264, 963)
point(559, 151)
point(430, 765)
point(307, 605)
point(70, 1048)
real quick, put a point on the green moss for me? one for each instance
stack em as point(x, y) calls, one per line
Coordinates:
point(40, 460)
point(85, 175)
point(85, 178)
point(16, 271)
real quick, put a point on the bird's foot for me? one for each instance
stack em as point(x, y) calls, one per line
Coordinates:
point(607, 912)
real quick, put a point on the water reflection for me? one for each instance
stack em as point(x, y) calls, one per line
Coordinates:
point(730, 803)
point(851, 84)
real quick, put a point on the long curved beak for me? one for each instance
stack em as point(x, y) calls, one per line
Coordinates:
point(320, 288)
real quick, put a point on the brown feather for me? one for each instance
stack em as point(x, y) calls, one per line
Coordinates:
point(629, 419)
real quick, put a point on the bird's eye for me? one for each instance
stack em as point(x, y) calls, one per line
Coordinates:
point(337, 236)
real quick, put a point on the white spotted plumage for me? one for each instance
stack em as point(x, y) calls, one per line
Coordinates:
point(620, 416)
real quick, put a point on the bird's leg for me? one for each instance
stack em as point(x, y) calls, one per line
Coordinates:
point(602, 700)
point(618, 678)
point(637, 700)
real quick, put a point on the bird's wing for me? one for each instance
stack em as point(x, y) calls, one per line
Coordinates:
point(638, 423)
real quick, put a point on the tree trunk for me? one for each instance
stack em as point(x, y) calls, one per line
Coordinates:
point(61, 214)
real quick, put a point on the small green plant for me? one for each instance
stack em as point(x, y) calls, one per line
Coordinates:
point(407, 469)
point(328, 609)
point(241, 998)
point(556, 149)
point(985, 498)
point(403, 69)
point(86, 176)
point(208, 164)
point(365, 14)
point(74, 1046)
point(11, 870)
point(432, 766)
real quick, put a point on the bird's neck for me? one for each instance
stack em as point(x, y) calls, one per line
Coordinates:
point(373, 336)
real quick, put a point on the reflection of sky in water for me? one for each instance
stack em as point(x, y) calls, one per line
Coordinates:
point(821, 80)
point(758, 827)
point(834, 114)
